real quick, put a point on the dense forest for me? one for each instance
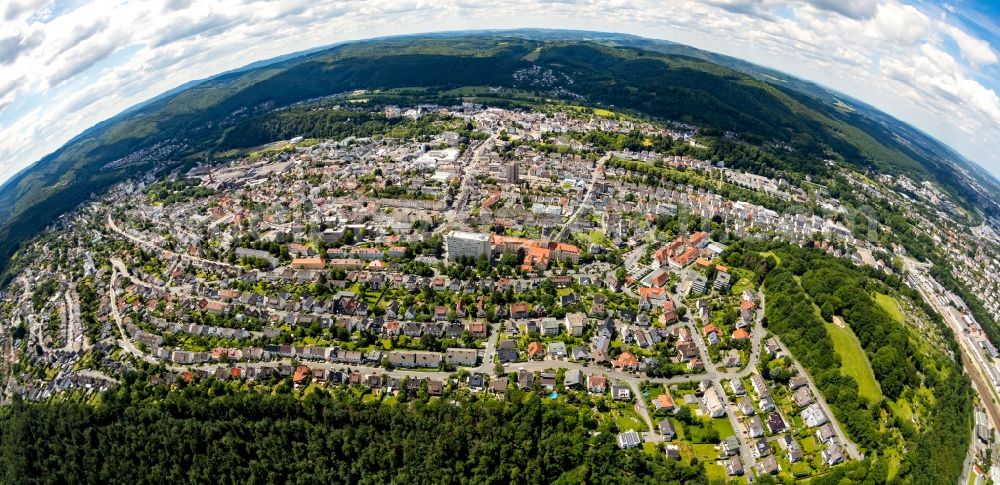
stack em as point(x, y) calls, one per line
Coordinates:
point(808, 286)
point(216, 432)
point(324, 123)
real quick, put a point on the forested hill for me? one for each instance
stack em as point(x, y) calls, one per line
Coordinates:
point(218, 432)
point(189, 126)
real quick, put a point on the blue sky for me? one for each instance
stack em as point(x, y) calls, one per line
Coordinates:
point(68, 64)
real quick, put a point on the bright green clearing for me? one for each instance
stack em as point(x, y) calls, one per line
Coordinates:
point(706, 453)
point(598, 237)
point(627, 420)
point(651, 448)
point(715, 473)
point(891, 306)
point(854, 361)
point(724, 427)
point(893, 458)
point(809, 444)
point(771, 253)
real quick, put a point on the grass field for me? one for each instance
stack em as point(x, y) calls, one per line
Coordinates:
point(651, 448)
point(854, 361)
point(724, 427)
point(743, 282)
point(771, 253)
point(598, 237)
point(705, 452)
point(627, 420)
point(809, 444)
point(716, 473)
point(891, 306)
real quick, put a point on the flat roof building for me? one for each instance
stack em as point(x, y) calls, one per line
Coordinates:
point(467, 244)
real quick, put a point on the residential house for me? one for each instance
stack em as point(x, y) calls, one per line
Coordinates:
point(825, 433)
point(803, 397)
point(731, 359)
point(550, 327)
point(832, 455)
point(573, 379)
point(768, 465)
point(557, 350)
point(464, 357)
point(666, 429)
point(536, 351)
point(498, 386)
point(713, 404)
point(755, 428)
point(525, 379)
point(736, 385)
point(760, 448)
point(597, 384)
point(620, 393)
point(629, 439)
point(576, 323)
point(775, 423)
point(813, 415)
point(734, 467)
point(664, 402)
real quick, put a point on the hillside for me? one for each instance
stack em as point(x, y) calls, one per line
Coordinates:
point(189, 125)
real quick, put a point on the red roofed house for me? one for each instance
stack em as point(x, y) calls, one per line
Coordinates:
point(627, 360)
point(301, 373)
point(664, 401)
point(535, 350)
point(307, 263)
point(669, 313)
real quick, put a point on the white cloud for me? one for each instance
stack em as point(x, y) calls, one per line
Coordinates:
point(855, 9)
point(63, 70)
point(899, 24)
point(976, 51)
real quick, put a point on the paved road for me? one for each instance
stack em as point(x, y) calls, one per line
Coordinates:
point(631, 379)
point(74, 326)
point(158, 250)
point(848, 445)
point(125, 342)
point(598, 174)
point(468, 177)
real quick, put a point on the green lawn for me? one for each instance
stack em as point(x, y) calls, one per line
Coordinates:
point(890, 305)
point(854, 361)
point(651, 448)
point(801, 469)
point(705, 453)
point(715, 473)
point(598, 237)
point(809, 444)
point(771, 253)
point(724, 427)
point(744, 281)
point(627, 420)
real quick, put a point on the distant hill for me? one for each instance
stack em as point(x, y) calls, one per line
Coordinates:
point(656, 78)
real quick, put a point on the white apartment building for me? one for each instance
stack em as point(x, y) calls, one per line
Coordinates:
point(470, 244)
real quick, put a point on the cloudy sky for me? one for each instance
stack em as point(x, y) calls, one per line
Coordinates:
point(68, 64)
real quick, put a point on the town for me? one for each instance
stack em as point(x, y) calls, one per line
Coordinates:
point(507, 251)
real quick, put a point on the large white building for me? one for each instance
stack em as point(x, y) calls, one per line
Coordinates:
point(469, 244)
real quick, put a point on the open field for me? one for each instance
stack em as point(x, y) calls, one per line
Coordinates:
point(854, 361)
point(891, 306)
